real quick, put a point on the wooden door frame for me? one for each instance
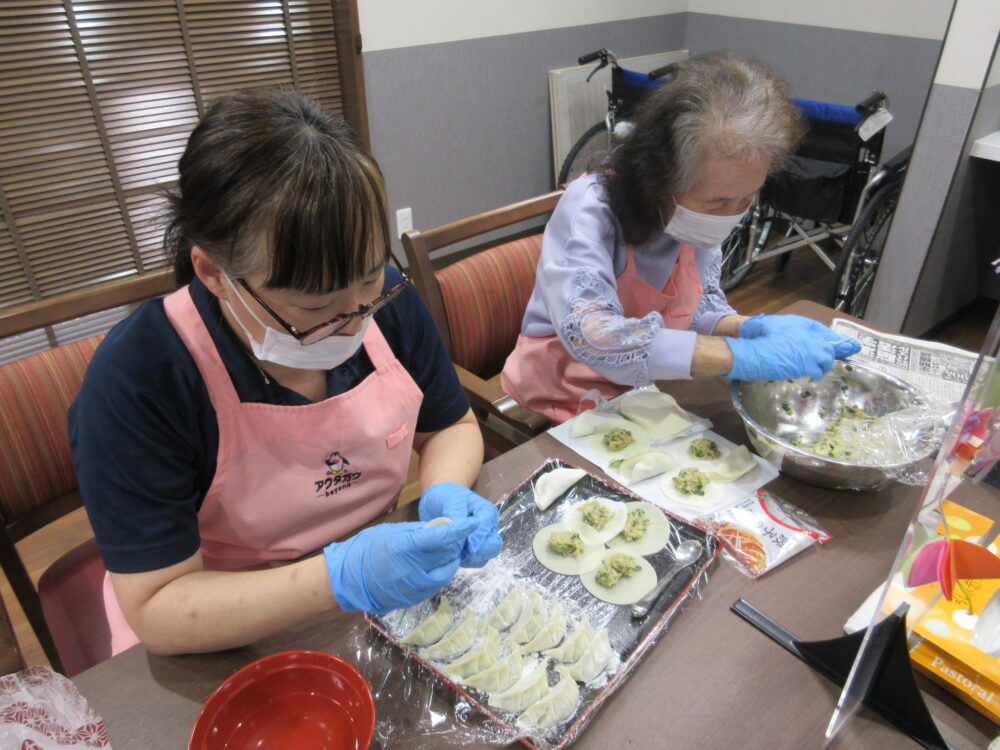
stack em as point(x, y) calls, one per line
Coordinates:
point(347, 30)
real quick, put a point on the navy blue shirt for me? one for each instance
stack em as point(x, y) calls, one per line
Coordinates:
point(144, 432)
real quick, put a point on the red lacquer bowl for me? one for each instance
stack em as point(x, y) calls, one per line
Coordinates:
point(294, 700)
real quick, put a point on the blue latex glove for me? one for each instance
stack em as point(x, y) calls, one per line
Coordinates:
point(799, 327)
point(779, 357)
point(456, 502)
point(394, 565)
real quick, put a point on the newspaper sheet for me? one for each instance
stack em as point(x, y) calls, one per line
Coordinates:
point(937, 370)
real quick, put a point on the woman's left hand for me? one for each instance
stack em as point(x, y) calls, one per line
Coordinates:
point(457, 502)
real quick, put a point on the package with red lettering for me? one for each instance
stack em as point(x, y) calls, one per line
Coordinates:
point(763, 531)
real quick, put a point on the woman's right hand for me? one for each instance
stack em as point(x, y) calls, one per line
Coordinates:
point(777, 356)
point(395, 565)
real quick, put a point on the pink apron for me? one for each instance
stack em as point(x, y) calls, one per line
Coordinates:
point(291, 479)
point(542, 375)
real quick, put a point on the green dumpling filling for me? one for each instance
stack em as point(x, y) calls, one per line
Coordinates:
point(566, 543)
point(691, 482)
point(595, 515)
point(704, 449)
point(617, 439)
point(615, 567)
point(636, 525)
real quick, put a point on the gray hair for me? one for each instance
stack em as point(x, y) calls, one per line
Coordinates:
point(720, 100)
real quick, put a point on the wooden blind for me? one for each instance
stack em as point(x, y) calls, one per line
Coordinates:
point(97, 98)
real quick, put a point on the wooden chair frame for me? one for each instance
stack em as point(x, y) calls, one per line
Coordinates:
point(29, 317)
point(505, 422)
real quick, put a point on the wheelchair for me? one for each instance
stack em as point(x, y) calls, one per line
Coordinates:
point(828, 198)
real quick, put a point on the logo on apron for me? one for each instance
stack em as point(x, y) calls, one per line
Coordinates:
point(339, 475)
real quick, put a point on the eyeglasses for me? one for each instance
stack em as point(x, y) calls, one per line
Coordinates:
point(321, 331)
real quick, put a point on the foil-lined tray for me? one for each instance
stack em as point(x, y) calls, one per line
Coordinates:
point(482, 589)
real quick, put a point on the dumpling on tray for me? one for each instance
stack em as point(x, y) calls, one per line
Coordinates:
point(574, 646)
point(552, 484)
point(555, 706)
point(457, 640)
point(605, 516)
point(594, 660)
point(568, 548)
point(500, 675)
point(477, 658)
point(433, 627)
point(646, 531)
point(524, 692)
point(551, 633)
point(507, 610)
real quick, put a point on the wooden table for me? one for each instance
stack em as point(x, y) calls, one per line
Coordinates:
point(712, 681)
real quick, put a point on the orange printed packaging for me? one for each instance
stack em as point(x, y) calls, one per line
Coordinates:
point(762, 532)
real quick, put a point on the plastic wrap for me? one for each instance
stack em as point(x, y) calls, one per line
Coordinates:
point(762, 532)
point(426, 702)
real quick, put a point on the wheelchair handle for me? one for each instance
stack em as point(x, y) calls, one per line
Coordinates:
point(871, 102)
point(600, 54)
point(666, 70)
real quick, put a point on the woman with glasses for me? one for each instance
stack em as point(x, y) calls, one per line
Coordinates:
point(627, 290)
point(269, 406)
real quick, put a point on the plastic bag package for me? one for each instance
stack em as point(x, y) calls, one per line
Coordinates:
point(41, 709)
point(760, 533)
point(427, 699)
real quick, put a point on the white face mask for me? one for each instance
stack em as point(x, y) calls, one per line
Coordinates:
point(282, 349)
point(701, 230)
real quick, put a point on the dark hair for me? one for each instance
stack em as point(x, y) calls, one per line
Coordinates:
point(721, 99)
point(271, 180)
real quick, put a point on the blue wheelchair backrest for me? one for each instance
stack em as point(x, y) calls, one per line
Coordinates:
point(838, 113)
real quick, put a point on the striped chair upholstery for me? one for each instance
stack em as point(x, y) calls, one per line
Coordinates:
point(484, 297)
point(35, 459)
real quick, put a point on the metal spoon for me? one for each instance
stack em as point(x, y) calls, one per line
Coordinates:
point(687, 553)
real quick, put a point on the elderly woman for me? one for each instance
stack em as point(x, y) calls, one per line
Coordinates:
point(627, 288)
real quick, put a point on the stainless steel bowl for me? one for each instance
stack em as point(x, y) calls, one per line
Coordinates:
point(783, 415)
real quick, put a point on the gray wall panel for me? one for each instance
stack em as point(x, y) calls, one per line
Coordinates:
point(932, 169)
point(463, 127)
point(834, 65)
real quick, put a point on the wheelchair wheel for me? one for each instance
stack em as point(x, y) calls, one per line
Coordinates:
point(589, 145)
point(855, 271)
point(738, 252)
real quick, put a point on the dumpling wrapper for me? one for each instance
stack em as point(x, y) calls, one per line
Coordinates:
point(593, 548)
point(456, 641)
point(477, 658)
point(552, 484)
point(715, 492)
point(656, 537)
point(656, 412)
point(641, 440)
point(508, 610)
point(619, 515)
point(551, 633)
point(644, 465)
point(732, 467)
point(574, 646)
point(533, 617)
point(588, 422)
point(627, 590)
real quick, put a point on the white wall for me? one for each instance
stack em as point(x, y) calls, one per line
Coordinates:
point(392, 24)
point(922, 19)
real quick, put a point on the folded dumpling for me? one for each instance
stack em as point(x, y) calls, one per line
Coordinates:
point(533, 616)
point(573, 647)
point(557, 705)
point(501, 675)
point(478, 658)
point(586, 423)
point(457, 640)
point(654, 411)
point(507, 610)
point(551, 633)
point(595, 658)
point(642, 466)
point(552, 484)
point(733, 466)
point(433, 627)
point(524, 692)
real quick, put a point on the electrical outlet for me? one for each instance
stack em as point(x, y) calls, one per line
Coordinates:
point(404, 221)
